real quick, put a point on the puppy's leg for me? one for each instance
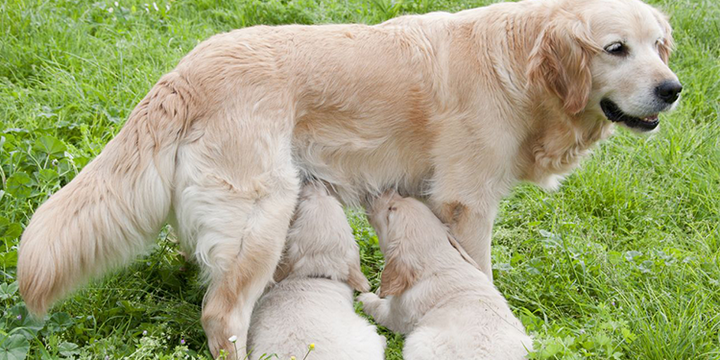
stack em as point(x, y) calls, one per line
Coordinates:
point(380, 310)
point(376, 307)
point(236, 194)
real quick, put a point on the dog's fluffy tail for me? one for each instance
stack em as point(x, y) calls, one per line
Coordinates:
point(113, 208)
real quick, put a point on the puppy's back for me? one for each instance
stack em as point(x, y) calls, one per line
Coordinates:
point(469, 327)
point(297, 312)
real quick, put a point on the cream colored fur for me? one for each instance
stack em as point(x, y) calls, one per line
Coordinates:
point(436, 295)
point(457, 108)
point(313, 302)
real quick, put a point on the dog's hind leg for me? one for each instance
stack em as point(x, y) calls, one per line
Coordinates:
point(244, 268)
point(233, 207)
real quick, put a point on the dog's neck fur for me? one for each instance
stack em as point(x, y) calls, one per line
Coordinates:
point(554, 141)
point(557, 144)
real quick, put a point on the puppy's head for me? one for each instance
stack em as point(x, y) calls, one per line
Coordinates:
point(320, 241)
point(607, 58)
point(410, 237)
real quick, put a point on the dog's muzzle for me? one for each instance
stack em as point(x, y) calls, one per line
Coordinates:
point(614, 114)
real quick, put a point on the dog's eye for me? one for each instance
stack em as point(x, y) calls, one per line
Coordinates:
point(617, 49)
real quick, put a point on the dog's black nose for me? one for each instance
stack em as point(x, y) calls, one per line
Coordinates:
point(668, 91)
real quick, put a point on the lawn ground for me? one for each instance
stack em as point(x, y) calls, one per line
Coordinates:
point(620, 263)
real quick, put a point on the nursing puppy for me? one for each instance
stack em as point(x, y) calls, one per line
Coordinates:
point(313, 300)
point(437, 297)
point(457, 108)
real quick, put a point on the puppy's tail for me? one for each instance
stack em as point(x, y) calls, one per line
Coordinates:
point(113, 208)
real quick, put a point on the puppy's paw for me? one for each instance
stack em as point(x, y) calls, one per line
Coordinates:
point(370, 303)
point(367, 298)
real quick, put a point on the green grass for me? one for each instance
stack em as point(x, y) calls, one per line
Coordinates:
point(622, 262)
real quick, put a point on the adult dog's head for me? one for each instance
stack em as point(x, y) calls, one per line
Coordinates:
point(608, 58)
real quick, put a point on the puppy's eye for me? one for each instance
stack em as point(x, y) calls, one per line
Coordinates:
point(392, 208)
point(617, 49)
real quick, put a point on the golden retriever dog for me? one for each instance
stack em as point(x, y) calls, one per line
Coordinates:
point(436, 295)
point(313, 300)
point(455, 108)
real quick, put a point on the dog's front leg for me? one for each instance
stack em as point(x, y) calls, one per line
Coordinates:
point(473, 230)
point(471, 225)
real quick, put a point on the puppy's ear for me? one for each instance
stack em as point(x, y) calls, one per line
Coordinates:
point(397, 276)
point(282, 270)
point(667, 43)
point(357, 280)
point(560, 60)
point(285, 265)
point(462, 251)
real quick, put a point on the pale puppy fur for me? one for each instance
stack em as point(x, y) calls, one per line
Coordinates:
point(436, 295)
point(455, 108)
point(313, 300)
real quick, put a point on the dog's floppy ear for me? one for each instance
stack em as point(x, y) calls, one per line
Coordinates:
point(462, 251)
point(397, 276)
point(665, 47)
point(560, 60)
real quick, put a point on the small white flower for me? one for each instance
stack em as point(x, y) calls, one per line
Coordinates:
point(116, 4)
point(155, 6)
point(110, 10)
point(233, 339)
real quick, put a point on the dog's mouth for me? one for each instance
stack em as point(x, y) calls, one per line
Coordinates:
point(614, 114)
